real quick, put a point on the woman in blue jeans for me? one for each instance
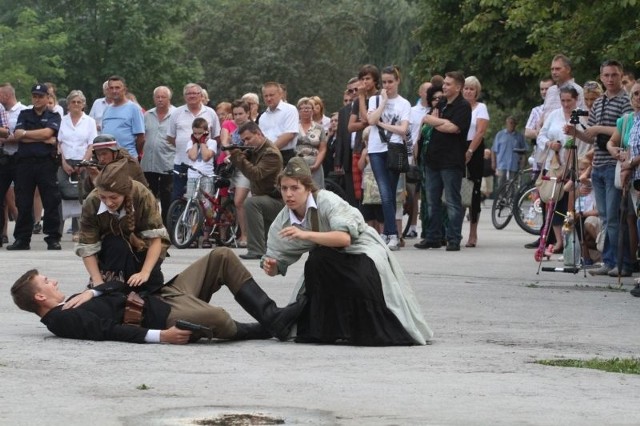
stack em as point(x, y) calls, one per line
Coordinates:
point(389, 114)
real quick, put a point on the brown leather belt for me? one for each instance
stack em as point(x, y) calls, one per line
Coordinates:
point(133, 309)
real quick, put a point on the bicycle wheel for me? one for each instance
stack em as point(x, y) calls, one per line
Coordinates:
point(173, 213)
point(502, 205)
point(226, 230)
point(186, 225)
point(527, 210)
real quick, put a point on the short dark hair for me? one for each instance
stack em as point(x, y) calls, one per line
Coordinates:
point(612, 63)
point(200, 123)
point(117, 78)
point(239, 103)
point(249, 126)
point(23, 290)
point(371, 70)
point(458, 76)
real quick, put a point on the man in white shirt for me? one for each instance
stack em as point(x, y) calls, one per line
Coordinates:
point(179, 132)
point(9, 147)
point(99, 105)
point(562, 75)
point(280, 121)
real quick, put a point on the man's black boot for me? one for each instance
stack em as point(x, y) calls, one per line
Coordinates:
point(250, 331)
point(277, 321)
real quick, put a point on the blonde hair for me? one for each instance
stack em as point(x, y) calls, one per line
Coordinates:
point(473, 81)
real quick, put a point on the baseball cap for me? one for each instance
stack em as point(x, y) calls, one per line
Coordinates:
point(105, 141)
point(40, 89)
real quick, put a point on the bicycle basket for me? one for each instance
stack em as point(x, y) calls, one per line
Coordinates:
point(225, 170)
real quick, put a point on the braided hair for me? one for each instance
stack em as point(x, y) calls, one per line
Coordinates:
point(136, 243)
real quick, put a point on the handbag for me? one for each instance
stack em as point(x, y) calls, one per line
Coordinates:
point(370, 190)
point(466, 191)
point(397, 157)
point(553, 186)
point(68, 185)
point(617, 181)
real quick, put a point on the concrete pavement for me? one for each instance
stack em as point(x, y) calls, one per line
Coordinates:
point(491, 314)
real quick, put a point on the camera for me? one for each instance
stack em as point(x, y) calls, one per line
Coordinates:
point(90, 163)
point(576, 114)
point(240, 147)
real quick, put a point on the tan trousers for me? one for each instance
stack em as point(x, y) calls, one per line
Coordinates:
point(190, 291)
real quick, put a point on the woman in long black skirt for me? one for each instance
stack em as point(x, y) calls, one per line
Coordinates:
point(357, 293)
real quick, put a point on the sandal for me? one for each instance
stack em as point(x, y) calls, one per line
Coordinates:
point(194, 244)
point(206, 244)
point(241, 243)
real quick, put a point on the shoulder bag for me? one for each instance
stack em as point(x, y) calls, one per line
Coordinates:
point(550, 184)
point(466, 191)
point(68, 185)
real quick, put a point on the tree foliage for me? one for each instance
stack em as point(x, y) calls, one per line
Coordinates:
point(508, 44)
point(233, 46)
point(79, 43)
point(31, 50)
point(312, 48)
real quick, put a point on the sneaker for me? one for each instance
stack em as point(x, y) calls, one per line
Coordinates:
point(614, 272)
point(451, 246)
point(394, 243)
point(385, 238)
point(37, 228)
point(635, 292)
point(411, 235)
point(603, 270)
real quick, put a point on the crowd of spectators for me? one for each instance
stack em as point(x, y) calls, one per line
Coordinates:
point(444, 132)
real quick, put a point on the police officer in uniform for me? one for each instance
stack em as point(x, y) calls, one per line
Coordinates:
point(36, 131)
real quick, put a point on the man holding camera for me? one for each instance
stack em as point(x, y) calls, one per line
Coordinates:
point(261, 165)
point(105, 151)
point(601, 125)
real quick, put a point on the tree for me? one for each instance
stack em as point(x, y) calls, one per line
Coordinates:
point(30, 50)
point(141, 40)
point(243, 44)
point(509, 44)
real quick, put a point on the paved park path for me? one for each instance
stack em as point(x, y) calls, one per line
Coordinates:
point(493, 316)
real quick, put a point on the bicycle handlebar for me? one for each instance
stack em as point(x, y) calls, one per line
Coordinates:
point(194, 169)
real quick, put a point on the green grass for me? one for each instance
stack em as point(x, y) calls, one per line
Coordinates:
point(613, 365)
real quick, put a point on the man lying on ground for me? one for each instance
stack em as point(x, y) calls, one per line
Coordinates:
point(107, 311)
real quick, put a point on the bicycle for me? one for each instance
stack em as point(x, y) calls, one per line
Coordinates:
point(188, 215)
point(518, 196)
